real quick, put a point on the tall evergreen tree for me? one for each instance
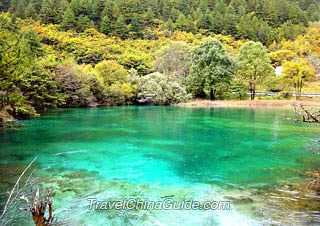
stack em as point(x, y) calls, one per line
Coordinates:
point(135, 27)
point(181, 22)
point(48, 12)
point(105, 26)
point(120, 27)
point(69, 19)
point(31, 11)
point(83, 23)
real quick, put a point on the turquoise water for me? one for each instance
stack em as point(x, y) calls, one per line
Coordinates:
point(151, 152)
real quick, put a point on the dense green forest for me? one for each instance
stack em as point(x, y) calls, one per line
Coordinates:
point(79, 53)
point(258, 20)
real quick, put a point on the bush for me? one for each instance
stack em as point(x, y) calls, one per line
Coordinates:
point(115, 82)
point(157, 89)
point(75, 84)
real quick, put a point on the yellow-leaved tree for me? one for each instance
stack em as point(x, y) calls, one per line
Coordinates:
point(297, 73)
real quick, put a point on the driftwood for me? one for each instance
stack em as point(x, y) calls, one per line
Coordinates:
point(307, 115)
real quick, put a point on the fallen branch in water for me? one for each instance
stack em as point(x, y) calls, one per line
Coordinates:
point(307, 115)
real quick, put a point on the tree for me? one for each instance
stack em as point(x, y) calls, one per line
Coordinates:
point(62, 7)
point(135, 27)
point(181, 22)
point(297, 73)
point(83, 23)
point(288, 30)
point(32, 43)
point(158, 89)
point(110, 72)
point(39, 88)
point(190, 25)
point(105, 26)
point(19, 10)
point(173, 59)
point(74, 84)
point(211, 67)
point(149, 17)
point(206, 21)
point(120, 27)
point(115, 80)
point(280, 56)
point(254, 65)
point(47, 12)
point(313, 12)
point(69, 19)
point(31, 11)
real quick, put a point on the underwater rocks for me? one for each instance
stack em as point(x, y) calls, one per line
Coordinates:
point(285, 204)
point(9, 173)
point(239, 199)
point(314, 180)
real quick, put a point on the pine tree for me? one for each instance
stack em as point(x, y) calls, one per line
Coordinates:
point(69, 20)
point(47, 12)
point(105, 26)
point(149, 17)
point(169, 25)
point(206, 21)
point(107, 9)
point(165, 12)
point(31, 10)
point(221, 6)
point(181, 22)
point(62, 8)
point(83, 23)
point(33, 43)
point(174, 14)
point(190, 25)
point(135, 27)
point(120, 27)
point(20, 9)
point(313, 12)
point(75, 7)
point(203, 6)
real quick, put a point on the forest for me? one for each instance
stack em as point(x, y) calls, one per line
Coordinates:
point(79, 53)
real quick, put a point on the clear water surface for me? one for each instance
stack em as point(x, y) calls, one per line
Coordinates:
point(152, 152)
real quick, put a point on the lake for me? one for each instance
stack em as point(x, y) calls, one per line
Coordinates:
point(256, 158)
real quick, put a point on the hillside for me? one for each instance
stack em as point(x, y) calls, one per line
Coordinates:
point(89, 53)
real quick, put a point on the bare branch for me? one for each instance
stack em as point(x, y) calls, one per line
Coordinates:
point(15, 190)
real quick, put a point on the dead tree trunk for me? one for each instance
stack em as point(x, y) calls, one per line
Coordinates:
point(38, 208)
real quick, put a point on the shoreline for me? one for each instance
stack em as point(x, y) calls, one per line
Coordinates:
point(247, 103)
